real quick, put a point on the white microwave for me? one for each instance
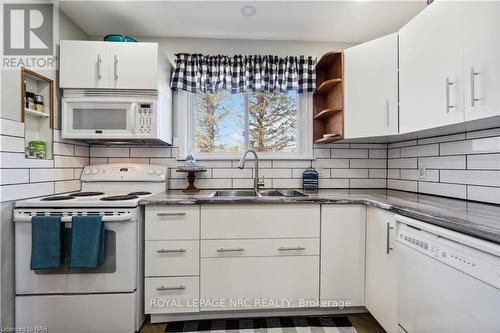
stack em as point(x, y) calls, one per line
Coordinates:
point(116, 118)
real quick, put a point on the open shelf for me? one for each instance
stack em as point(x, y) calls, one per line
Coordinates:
point(328, 100)
point(327, 113)
point(327, 85)
point(37, 114)
point(329, 139)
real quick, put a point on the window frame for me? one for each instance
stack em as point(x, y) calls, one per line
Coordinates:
point(184, 109)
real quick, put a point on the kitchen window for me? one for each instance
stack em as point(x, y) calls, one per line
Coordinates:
point(223, 125)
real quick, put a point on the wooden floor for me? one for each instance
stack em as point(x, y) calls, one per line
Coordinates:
point(364, 323)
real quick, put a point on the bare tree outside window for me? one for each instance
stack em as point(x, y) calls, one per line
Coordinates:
point(272, 121)
point(221, 119)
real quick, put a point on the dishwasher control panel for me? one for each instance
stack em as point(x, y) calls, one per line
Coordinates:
point(473, 262)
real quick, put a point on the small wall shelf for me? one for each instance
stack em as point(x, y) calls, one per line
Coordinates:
point(328, 111)
point(38, 114)
point(38, 126)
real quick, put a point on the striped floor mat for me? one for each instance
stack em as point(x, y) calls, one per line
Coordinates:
point(266, 325)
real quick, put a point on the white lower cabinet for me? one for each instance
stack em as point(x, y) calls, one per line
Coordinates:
point(171, 294)
point(381, 297)
point(342, 254)
point(247, 283)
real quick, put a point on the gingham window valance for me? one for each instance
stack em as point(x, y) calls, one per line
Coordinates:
point(237, 74)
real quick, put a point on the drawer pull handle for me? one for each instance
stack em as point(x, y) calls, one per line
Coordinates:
point(297, 248)
point(171, 251)
point(239, 249)
point(171, 214)
point(162, 288)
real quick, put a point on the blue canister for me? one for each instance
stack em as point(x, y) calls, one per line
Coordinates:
point(310, 179)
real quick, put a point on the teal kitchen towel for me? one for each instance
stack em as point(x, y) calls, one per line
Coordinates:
point(46, 240)
point(87, 242)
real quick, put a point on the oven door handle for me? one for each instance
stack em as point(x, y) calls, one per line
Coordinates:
point(106, 218)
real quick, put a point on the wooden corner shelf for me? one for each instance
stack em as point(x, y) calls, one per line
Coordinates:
point(327, 85)
point(327, 113)
point(328, 99)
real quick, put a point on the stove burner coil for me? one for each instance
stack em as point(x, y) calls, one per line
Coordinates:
point(119, 197)
point(139, 193)
point(58, 198)
point(86, 194)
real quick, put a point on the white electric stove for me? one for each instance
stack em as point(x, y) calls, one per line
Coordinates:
point(108, 298)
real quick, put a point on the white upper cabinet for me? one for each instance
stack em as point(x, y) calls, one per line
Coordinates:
point(431, 68)
point(89, 64)
point(481, 57)
point(371, 88)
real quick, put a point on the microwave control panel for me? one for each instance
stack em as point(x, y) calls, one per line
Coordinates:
point(145, 118)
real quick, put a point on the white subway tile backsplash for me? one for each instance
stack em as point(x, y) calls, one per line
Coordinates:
point(402, 185)
point(287, 183)
point(475, 146)
point(372, 163)
point(402, 163)
point(484, 193)
point(322, 153)
point(412, 174)
point(330, 163)
point(369, 145)
point(394, 153)
point(150, 152)
point(438, 139)
point(471, 177)
point(349, 153)
point(334, 183)
point(47, 175)
point(377, 153)
point(367, 183)
point(483, 133)
point(442, 162)
point(11, 127)
point(18, 160)
point(232, 173)
point(82, 151)
point(11, 144)
point(109, 152)
point(402, 144)
point(449, 190)
point(128, 160)
point(393, 173)
point(14, 176)
point(349, 173)
point(291, 163)
point(417, 151)
point(485, 161)
point(25, 191)
point(67, 186)
point(275, 173)
point(70, 161)
point(377, 173)
point(64, 149)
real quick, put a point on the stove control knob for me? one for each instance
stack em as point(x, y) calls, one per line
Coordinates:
point(87, 171)
point(151, 171)
point(159, 172)
point(95, 171)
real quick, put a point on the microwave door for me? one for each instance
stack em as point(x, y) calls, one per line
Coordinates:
point(94, 120)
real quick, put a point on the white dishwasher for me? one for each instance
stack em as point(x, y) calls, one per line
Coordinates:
point(447, 281)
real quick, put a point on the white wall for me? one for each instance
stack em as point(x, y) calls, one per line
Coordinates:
point(173, 45)
point(17, 175)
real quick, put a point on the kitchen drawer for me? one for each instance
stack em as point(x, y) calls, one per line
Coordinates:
point(171, 294)
point(260, 221)
point(172, 222)
point(259, 247)
point(255, 279)
point(171, 258)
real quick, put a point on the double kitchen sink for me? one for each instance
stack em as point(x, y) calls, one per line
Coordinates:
point(263, 193)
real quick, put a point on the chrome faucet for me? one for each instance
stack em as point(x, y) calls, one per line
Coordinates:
point(256, 181)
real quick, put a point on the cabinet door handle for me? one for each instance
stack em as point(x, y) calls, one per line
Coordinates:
point(99, 61)
point(473, 98)
point(171, 214)
point(387, 113)
point(162, 288)
point(387, 246)
point(239, 249)
point(297, 248)
point(171, 251)
point(448, 84)
point(116, 67)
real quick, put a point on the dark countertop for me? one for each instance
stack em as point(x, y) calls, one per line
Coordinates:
point(471, 218)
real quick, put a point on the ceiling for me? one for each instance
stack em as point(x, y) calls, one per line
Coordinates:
point(332, 21)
